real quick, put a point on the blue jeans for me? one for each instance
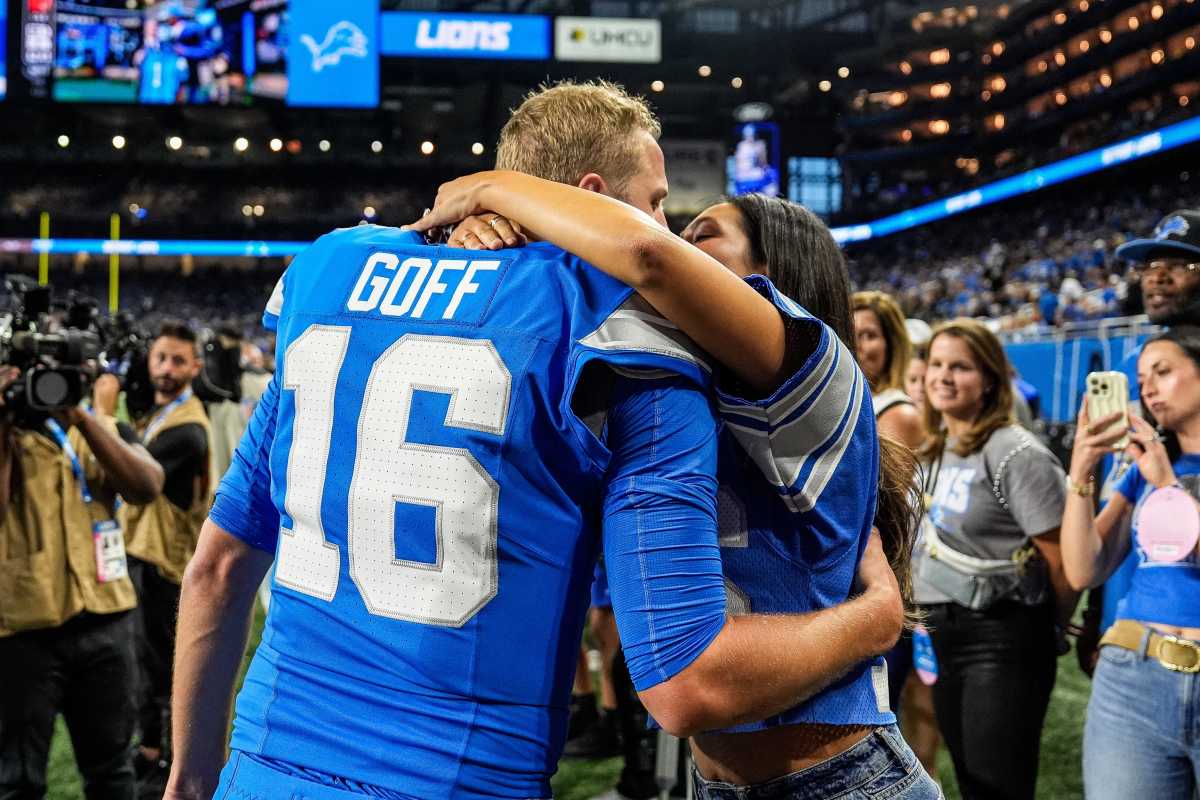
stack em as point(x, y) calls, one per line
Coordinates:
point(1142, 737)
point(880, 766)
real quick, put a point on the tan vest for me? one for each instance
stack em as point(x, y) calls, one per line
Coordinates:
point(161, 533)
point(47, 557)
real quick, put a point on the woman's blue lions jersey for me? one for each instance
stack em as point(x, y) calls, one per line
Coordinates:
point(434, 507)
point(792, 543)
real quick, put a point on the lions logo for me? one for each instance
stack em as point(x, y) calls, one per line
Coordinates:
point(343, 39)
point(1174, 225)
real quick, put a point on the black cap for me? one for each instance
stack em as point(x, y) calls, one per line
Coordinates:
point(1177, 234)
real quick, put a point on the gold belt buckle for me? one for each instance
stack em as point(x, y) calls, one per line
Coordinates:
point(1179, 649)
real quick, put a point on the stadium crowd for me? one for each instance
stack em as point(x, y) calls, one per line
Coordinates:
point(113, 528)
point(1046, 263)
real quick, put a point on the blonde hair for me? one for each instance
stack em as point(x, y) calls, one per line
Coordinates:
point(997, 410)
point(895, 334)
point(564, 131)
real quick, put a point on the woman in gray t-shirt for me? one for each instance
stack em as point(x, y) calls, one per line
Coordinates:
point(989, 574)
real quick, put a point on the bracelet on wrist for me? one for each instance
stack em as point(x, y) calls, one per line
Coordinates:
point(1082, 489)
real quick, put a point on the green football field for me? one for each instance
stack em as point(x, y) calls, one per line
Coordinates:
point(1059, 777)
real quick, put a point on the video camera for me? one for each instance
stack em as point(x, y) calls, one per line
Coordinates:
point(54, 359)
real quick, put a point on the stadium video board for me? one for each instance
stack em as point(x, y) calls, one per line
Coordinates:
point(213, 52)
point(754, 165)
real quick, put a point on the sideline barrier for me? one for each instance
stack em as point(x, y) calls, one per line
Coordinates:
point(1057, 361)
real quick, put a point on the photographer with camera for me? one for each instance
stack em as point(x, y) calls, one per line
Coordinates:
point(65, 596)
point(162, 534)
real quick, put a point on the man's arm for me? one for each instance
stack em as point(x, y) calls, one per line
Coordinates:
point(215, 604)
point(763, 664)
point(128, 468)
point(236, 547)
point(695, 668)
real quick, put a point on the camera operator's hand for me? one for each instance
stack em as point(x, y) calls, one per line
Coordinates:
point(105, 392)
point(7, 376)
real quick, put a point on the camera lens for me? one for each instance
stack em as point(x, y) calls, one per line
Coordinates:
point(51, 389)
point(1104, 387)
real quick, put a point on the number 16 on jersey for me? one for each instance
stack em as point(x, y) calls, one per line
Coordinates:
point(388, 469)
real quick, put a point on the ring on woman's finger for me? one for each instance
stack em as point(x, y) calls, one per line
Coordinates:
point(492, 222)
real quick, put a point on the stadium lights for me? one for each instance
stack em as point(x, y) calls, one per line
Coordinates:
point(1105, 35)
point(1084, 46)
point(369, 212)
point(1043, 66)
point(906, 135)
point(905, 68)
point(939, 90)
point(241, 144)
point(64, 140)
point(1133, 23)
point(998, 122)
point(1156, 12)
point(376, 146)
point(247, 210)
point(997, 48)
point(324, 145)
point(657, 86)
point(1157, 56)
point(118, 142)
point(427, 148)
point(825, 86)
point(985, 95)
point(1184, 100)
point(276, 145)
point(1060, 18)
point(259, 210)
point(736, 82)
point(940, 56)
point(843, 72)
point(477, 148)
point(175, 142)
point(1105, 80)
point(939, 127)
point(999, 84)
point(1060, 58)
point(1083, 6)
point(897, 99)
point(1189, 42)
point(1060, 98)
point(704, 71)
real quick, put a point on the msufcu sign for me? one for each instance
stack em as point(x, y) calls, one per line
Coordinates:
point(414, 34)
point(608, 39)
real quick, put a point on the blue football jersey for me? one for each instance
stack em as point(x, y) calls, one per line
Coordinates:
point(435, 500)
point(792, 543)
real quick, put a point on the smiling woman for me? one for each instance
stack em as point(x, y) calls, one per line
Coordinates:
point(990, 575)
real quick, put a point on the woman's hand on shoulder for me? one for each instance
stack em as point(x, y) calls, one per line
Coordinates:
point(487, 231)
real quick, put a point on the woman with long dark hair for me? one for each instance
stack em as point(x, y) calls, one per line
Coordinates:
point(989, 571)
point(791, 541)
point(1139, 740)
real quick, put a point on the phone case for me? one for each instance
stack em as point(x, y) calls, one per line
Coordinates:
point(1108, 393)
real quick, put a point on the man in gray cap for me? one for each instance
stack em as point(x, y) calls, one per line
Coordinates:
point(1169, 269)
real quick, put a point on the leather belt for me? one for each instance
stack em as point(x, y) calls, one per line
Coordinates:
point(1174, 653)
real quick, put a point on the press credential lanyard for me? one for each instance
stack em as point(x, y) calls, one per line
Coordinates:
point(108, 539)
point(161, 418)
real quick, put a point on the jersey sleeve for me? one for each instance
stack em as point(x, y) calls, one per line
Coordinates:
point(271, 314)
point(660, 536)
point(243, 504)
point(818, 424)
